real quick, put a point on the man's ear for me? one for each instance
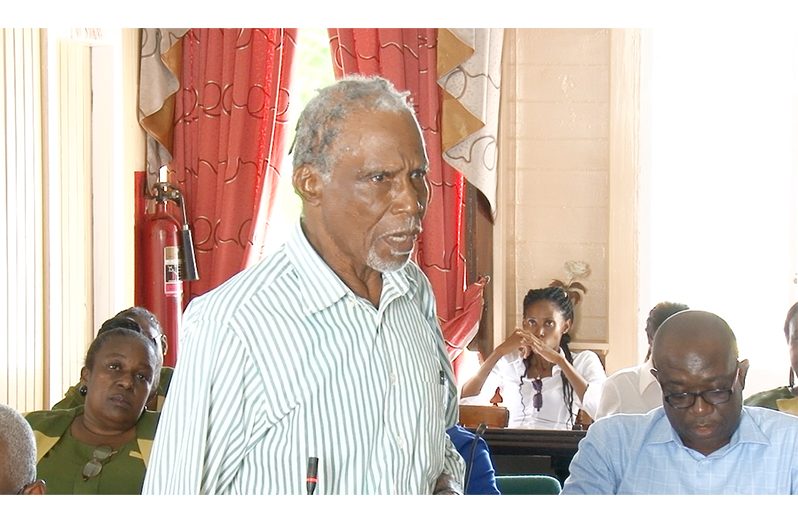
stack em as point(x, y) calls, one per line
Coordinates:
point(308, 184)
point(743, 365)
point(37, 487)
point(84, 375)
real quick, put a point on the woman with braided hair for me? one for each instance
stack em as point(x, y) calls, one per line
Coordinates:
point(542, 383)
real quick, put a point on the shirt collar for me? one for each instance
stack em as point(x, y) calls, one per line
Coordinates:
point(747, 431)
point(321, 287)
point(661, 431)
point(646, 379)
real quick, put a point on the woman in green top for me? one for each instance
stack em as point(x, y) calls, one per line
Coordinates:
point(146, 323)
point(103, 446)
point(769, 398)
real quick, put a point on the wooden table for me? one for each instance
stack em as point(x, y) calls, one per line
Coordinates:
point(531, 451)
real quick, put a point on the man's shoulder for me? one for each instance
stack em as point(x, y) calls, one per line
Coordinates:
point(229, 296)
point(627, 424)
point(769, 419)
point(626, 374)
point(776, 429)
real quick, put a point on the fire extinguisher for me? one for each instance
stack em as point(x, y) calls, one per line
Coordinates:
point(168, 261)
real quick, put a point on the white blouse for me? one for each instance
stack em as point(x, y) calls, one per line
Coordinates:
point(517, 393)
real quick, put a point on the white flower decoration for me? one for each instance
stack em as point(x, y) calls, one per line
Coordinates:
point(576, 269)
point(573, 269)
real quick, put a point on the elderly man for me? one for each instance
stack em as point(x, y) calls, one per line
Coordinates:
point(702, 440)
point(17, 455)
point(326, 358)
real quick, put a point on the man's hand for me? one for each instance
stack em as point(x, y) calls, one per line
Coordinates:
point(446, 484)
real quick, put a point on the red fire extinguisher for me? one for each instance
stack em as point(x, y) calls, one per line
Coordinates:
point(167, 261)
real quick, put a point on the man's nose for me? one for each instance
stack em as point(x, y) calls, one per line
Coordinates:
point(701, 407)
point(410, 196)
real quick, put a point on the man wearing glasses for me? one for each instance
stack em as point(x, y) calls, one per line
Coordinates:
point(702, 440)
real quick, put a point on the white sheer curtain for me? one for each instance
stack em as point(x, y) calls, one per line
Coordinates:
point(21, 278)
point(719, 182)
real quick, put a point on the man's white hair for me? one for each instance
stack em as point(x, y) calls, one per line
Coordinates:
point(18, 464)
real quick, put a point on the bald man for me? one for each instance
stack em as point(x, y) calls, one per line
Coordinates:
point(17, 455)
point(702, 440)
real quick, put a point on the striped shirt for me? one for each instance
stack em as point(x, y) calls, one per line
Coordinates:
point(642, 454)
point(284, 362)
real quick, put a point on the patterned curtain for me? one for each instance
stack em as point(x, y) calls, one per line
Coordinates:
point(469, 70)
point(159, 72)
point(229, 139)
point(408, 58)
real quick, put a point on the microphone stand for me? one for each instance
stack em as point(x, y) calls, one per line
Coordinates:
point(469, 466)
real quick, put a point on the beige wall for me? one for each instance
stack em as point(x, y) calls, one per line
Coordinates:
point(567, 178)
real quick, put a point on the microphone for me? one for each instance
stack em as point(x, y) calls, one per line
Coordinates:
point(313, 474)
point(469, 466)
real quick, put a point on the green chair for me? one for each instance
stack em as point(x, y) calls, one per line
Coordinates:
point(528, 485)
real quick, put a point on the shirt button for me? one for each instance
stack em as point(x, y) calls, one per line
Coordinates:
point(400, 442)
point(393, 378)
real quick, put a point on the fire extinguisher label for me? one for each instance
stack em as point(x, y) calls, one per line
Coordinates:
point(171, 271)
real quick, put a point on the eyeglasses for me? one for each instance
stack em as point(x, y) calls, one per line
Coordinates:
point(537, 399)
point(685, 400)
point(98, 458)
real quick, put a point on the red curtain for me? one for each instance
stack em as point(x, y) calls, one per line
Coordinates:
point(407, 57)
point(230, 116)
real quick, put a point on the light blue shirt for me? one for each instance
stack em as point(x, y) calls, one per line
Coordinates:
point(284, 362)
point(642, 454)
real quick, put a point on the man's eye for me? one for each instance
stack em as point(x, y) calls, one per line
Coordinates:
point(113, 366)
point(142, 377)
point(378, 177)
point(418, 174)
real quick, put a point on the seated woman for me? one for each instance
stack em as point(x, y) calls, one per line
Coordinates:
point(541, 383)
point(771, 398)
point(102, 447)
point(146, 323)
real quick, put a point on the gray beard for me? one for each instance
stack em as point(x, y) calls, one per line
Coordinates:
point(381, 265)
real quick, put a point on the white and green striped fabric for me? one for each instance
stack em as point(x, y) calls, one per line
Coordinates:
point(283, 362)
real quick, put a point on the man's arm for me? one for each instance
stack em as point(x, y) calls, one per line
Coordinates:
point(202, 421)
point(451, 479)
point(592, 469)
